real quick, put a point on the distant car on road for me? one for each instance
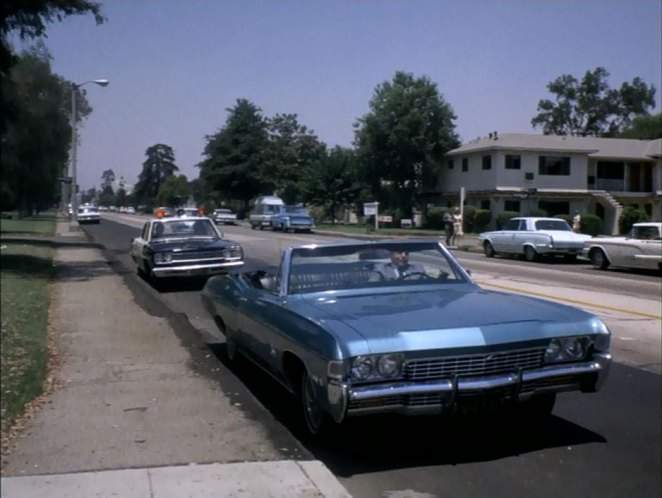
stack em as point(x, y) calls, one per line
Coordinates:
point(640, 249)
point(88, 214)
point(184, 246)
point(370, 327)
point(293, 218)
point(224, 216)
point(533, 238)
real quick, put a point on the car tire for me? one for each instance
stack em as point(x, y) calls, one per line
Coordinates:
point(252, 226)
point(599, 259)
point(489, 250)
point(530, 254)
point(313, 416)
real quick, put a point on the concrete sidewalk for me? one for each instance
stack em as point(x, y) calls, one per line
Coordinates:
point(128, 420)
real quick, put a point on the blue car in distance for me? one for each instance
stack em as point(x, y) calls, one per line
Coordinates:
point(293, 218)
point(398, 326)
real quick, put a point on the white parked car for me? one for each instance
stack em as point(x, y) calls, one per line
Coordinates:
point(88, 214)
point(224, 216)
point(534, 237)
point(640, 248)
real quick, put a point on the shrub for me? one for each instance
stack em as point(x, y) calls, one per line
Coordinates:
point(591, 224)
point(629, 217)
point(468, 218)
point(503, 217)
point(537, 213)
point(481, 218)
point(566, 217)
point(434, 218)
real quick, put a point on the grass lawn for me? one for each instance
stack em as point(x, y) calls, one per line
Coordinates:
point(26, 268)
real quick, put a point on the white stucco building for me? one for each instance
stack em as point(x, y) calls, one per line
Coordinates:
point(560, 174)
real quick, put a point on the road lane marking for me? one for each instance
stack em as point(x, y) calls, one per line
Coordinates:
point(572, 301)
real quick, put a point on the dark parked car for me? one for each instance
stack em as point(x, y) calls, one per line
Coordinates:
point(184, 246)
point(373, 327)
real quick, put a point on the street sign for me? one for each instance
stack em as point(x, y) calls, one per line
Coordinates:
point(64, 179)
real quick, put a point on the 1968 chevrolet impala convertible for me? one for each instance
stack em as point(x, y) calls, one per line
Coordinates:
point(371, 327)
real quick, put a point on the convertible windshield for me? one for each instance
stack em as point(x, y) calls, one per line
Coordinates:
point(373, 265)
point(553, 225)
point(184, 228)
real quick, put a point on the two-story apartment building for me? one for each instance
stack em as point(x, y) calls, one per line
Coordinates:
point(560, 174)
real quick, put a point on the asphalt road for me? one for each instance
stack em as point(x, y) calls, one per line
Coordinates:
point(602, 445)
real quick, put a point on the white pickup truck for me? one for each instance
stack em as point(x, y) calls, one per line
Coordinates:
point(641, 248)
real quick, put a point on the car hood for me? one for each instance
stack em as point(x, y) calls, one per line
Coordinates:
point(443, 319)
point(191, 245)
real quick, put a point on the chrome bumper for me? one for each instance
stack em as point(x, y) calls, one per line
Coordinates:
point(436, 396)
point(194, 270)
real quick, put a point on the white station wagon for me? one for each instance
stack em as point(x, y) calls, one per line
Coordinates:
point(534, 237)
point(641, 248)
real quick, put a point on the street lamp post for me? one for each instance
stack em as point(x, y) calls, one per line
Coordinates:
point(74, 145)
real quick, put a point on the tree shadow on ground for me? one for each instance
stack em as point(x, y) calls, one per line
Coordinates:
point(379, 443)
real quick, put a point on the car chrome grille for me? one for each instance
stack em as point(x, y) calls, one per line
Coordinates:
point(472, 365)
point(207, 255)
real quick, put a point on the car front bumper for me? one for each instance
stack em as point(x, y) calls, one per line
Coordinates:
point(438, 396)
point(195, 269)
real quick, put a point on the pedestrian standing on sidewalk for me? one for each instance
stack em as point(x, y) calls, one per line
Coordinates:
point(448, 226)
point(458, 232)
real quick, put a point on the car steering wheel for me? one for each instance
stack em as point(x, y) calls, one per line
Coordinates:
point(416, 273)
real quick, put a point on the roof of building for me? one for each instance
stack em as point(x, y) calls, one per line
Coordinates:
point(608, 148)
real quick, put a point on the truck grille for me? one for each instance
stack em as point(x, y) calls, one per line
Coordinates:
point(473, 365)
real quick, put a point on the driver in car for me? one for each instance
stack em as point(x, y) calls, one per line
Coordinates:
point(400, 268)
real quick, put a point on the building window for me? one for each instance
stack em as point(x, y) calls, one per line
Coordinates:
point(511, 206)
point(528, 176)
point(487, 162)
point(554, 165)
point(465, 164)
point(451, 164)
point(513, 162)
point(552, 208)
point(485, 204)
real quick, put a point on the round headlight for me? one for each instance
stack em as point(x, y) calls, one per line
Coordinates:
point(389, 365)
point(362, 367)
point(574, 348)
point(553, 350)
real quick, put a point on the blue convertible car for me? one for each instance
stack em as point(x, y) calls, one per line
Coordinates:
point(372, 327)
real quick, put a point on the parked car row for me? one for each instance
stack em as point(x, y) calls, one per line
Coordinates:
point(535, 238)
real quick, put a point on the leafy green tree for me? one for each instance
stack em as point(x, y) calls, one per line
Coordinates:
point(402, 140)
point(629, 217)
point(159, 165)
point(90, 195)
point(174, 191)
point(121, 197)
point(292, 148)
point(234, 156)
point(590, 107)
point(36, 141)
point(107, 180)
point(28, 20)
point(645, 128)
point(333, 181)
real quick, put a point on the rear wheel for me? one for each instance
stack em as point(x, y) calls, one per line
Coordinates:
point(530, 254)
point(599, 259)
point(489, 250)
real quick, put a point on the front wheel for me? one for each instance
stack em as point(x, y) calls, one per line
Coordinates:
point(489, 250)
point(599, 259)
point(313, 415)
